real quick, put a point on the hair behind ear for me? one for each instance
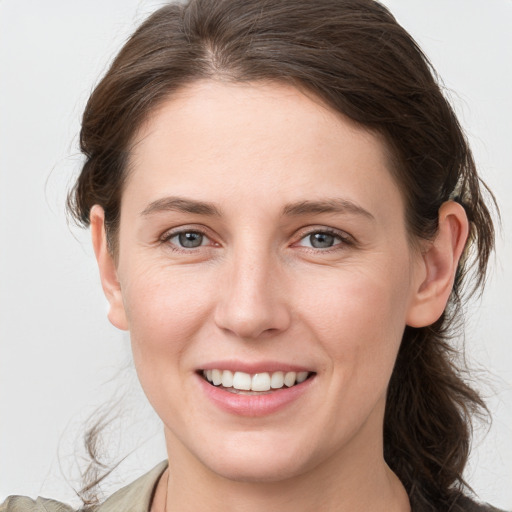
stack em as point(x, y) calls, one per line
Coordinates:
point(428, 419)
point(429, 408)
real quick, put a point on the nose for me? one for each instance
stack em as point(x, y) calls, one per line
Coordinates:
point(253, 301)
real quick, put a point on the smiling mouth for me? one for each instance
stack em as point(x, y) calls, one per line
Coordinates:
point(258, 383)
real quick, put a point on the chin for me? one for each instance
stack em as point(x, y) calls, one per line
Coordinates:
point(259, 461)
point(269, 470)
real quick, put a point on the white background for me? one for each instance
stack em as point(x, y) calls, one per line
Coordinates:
point(59, 356)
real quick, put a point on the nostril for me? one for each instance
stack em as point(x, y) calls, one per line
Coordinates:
point(253, 323)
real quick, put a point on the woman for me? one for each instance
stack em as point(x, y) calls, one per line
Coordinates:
point(284, 211)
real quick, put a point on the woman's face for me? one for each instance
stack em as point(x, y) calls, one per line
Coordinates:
point(262, 239)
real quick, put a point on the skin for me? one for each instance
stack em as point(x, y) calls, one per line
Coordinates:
point(256, 290)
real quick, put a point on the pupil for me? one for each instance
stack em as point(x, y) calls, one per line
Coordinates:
point(190, 239)
point(321, 240)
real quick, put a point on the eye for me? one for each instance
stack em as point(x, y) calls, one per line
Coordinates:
point(321, 240)
point(188, 239)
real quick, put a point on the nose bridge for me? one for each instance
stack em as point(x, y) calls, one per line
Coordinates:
point(252, 302)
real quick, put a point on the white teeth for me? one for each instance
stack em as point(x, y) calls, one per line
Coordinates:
point(227, 378)
point(289, 379)
point(216, 377)
point(258, 382)
point(277, 380)
point(242, 381)
point(301, 377)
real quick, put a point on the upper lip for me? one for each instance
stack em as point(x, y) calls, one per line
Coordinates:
point(254, 367)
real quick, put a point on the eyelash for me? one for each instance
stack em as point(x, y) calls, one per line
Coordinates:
point(344, 239)
point(169, 235)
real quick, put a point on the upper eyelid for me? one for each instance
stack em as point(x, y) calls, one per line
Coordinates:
point(304, 232)
point(341, 243)
point(171, 232)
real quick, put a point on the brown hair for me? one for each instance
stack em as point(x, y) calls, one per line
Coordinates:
point(355, 57)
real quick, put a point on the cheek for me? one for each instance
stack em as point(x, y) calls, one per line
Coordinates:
point(165, 307)
point(359, 319)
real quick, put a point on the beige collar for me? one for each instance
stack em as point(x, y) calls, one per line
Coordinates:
point(137, 496)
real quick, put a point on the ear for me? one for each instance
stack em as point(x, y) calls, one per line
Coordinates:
point(107, 268)
point(437, 266)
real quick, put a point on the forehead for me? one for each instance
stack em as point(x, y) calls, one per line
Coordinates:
point(243, 140)
point(208, 110)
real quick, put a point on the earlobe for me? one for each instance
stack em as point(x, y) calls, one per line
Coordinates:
point(438, 265)
point(107, 268)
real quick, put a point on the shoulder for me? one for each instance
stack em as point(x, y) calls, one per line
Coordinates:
point(135, 497)
point(24, 504)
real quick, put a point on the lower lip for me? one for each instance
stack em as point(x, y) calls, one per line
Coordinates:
point(254, 405)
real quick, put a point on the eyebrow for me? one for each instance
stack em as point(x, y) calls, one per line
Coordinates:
point(179, 204)
point(331, 205)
